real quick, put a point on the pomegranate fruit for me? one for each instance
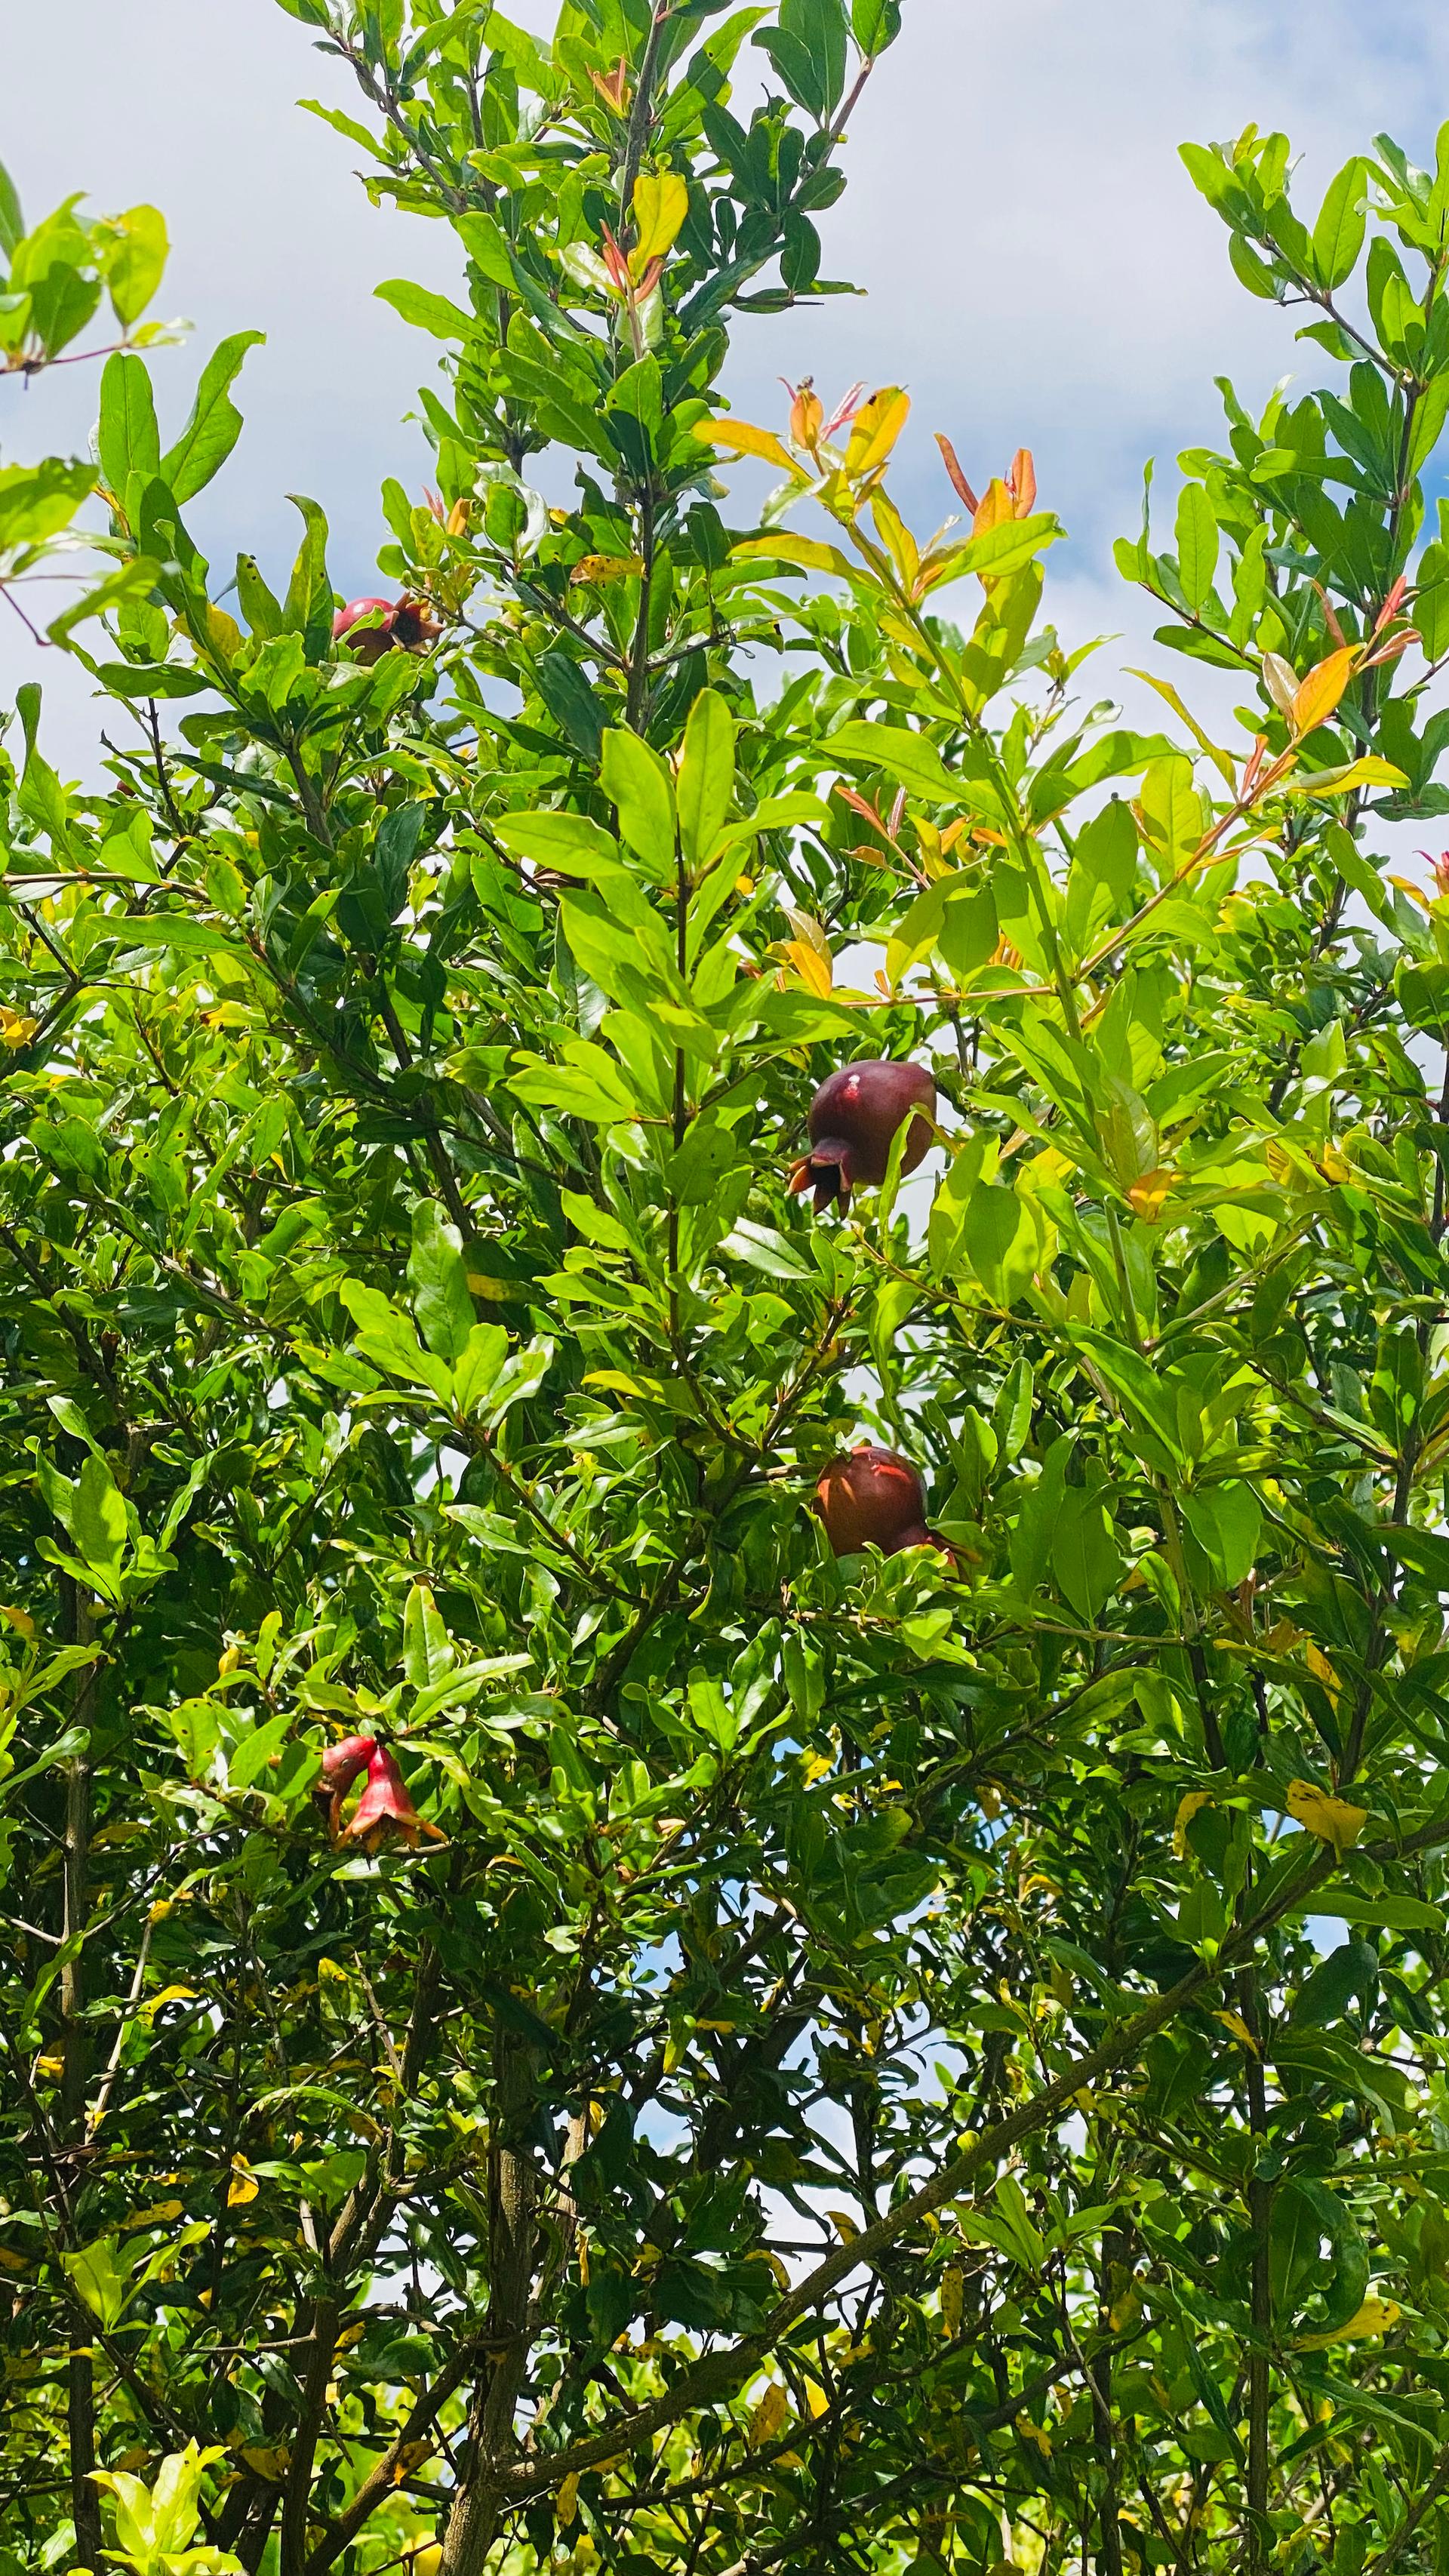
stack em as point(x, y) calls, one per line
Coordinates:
point(872, 1498)
point(407, 622)
point(853, 1121)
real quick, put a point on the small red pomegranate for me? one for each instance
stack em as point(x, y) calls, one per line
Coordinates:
point(872, 1498)
point(395, 621)
point(853, 1121)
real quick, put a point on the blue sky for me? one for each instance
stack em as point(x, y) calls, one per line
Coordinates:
point(1038, 268)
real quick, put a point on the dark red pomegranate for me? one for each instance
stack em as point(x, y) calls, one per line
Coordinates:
point(397, 621)
point(872, 1498)
point(385, 1807)
point(853, 1121)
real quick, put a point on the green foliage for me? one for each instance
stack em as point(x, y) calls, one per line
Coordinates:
point(759, 2059)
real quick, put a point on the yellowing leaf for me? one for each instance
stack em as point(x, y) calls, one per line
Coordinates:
point(814, 971)
point(168, 1995)
point(601, 570)
point(19, 1620)
point(767, 2419)
point(1235, 2023)
point(876, 427)
point(746, 440)
point(1188, 1807)
point(11, 2261)
point(953, 2293)
point(1035, 2433)
point(812, 553)
point(15, 1030)
point(846, 2227)
point(660, 204)
point(568, 2500)
point(1322, 1670)
point(1375, 2317)
point(1371, 771)
point(243, 2186)
point(1321, 691)
point(161, 2215)
point(1333, 1820)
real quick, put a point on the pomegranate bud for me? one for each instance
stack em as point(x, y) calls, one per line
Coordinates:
point(385, 1806)
point(872, 1498)
point(342, 1762)
point(854, 1117)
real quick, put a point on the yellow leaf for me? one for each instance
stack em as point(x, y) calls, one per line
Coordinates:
point(1333, 1165)
point(813, 970)
point(876, 427)
point(953, 2292)
point(266, 2463)
point(1375, 2317)
point(159, 2216)
point(846, 2227)
point(601, 570)
point(168, 1995)
point(19, 1620)
point(1235, 2023)
point(427, 2560)
point(10, 2261)
point(1321, 691)
point(15, 1029)
point(243, 2186)
point(1322, 1670)
point(1333, 1820)
point(746, 440)
point(568, 2500)
point(816, 2399)
point(1188, 1807)
point(1035, 2433)
point(660, 204)
point(768, 2418)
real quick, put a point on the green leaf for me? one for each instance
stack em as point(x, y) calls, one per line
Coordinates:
point(135, 269)
point(909, 758)
point(438, 1278)
point(1197, 545)
point(427, 310)
point(128, 439)
point(428, 1655)
point(572, 701)
point(215, 423)
point(638, 784)
point(1085, 1557)
point(1339, 231)
point(706, 776)
point(1227, 1521)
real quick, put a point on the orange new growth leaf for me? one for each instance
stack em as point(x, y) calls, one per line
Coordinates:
point(959, 484)
point(1021, 483)
point(875, 429)
point(1321, 691)
point(996, 507)
point(807, 414)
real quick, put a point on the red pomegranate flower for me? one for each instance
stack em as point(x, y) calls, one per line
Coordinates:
point(385, 1808)
point(872, 1498)
point(341, 1765)
point(853, 1121)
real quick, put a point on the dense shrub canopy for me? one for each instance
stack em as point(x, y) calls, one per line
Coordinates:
point(549, 2019)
